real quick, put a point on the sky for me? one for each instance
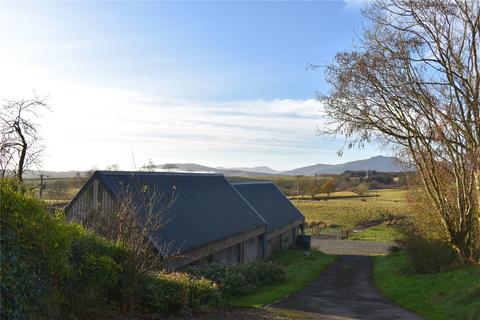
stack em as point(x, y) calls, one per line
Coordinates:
point(214, 83)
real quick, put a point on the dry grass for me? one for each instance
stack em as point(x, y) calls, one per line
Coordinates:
point(352, 212)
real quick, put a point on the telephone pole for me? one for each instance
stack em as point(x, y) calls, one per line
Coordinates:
point(298, 189)
point(41, 184)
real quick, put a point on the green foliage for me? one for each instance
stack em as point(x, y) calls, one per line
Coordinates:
point(50, 268)
point(34, 256)
point(177, 292)
point(382, 232)
point(427, 255)
point(241, 278)
point(453, 294)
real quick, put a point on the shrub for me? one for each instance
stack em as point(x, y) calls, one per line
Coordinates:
point(241, 278)
point(49, 267)
point(177, 292)
point(33, 252)
point(428, 255)
point(91, 285)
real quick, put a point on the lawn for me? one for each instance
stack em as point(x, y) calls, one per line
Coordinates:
point(446, 295)
point(302, 267)
point(382, 232)
point(351, 212)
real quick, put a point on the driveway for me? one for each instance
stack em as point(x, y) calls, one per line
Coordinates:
point(345, 290)
point(352, 247)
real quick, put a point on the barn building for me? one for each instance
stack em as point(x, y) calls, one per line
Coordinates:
point(284, 221)
point(199, 218)
point(203, 217)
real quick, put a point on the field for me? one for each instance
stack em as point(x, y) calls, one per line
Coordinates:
point(344, 210)
point(56, 191)
point(381, 232)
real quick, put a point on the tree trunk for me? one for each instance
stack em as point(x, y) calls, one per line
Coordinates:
point(21, 161)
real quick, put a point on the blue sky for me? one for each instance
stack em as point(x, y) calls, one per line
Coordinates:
point(216, 83)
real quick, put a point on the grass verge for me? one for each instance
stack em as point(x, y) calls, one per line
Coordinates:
point(445, 295)
point(301, 267)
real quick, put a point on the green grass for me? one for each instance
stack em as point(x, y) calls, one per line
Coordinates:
point(446, 295)
point(302, 267)
point(352, 212)
point(381, 232)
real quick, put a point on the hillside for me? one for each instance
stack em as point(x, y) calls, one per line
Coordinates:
point(378, 163)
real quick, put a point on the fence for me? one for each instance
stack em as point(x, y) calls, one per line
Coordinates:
point(361, 233)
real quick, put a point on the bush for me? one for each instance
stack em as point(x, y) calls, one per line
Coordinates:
point(50, 268)
point(33, 254)
point(428, 255)
point(177, 293)
point(242, 278)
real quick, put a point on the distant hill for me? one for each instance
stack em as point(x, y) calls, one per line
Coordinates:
point(261, 169)
point(378, 163)
point(35, 174)
point(193, 167)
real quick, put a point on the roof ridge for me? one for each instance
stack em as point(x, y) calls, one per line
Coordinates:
point(157, 173)
point(252, 182)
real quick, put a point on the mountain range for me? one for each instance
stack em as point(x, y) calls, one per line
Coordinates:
point(377, 163)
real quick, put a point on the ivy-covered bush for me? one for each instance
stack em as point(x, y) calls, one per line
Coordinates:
point(51, 269)
point(177, 292)
point(34, 256)
point(241, 278)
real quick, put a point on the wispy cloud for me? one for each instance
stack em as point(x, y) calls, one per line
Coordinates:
point(355, 4)
point(108, 103)
point(93, 126)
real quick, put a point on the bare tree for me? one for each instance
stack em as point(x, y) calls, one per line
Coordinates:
point(149, 167)
point(20, 146)
point(113, 167)
point(313, 187)
point(137, 216)
point(414, 81)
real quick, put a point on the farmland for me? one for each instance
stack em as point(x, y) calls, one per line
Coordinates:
point(348, 212)
point(342, 209)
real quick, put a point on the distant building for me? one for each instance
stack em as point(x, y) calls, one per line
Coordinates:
point(207, 219)
point(284, 221)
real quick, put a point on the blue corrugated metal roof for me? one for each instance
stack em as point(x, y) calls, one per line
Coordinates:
point(270, 203)
point(206, 207)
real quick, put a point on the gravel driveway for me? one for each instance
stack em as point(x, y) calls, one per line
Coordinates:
point(351, 247)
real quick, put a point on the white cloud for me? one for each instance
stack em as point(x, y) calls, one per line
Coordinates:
point(96, 126)
point(355, 4)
